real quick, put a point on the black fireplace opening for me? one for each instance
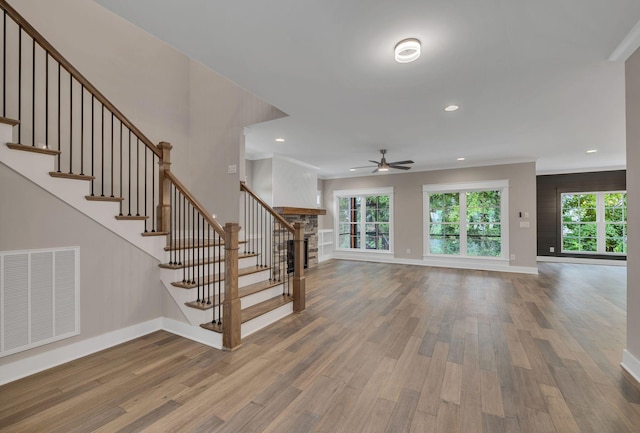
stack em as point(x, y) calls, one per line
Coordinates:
point(291, 255)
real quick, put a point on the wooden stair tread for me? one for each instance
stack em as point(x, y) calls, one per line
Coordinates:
point(26, 148)
point(202, 262)
point(264, 307)
point(217, 277)
point(103, 198)
point(71, 176)
point(155, 234)
point(212, 327)
point(8, 121)
point(251, 289)
point(131, 217)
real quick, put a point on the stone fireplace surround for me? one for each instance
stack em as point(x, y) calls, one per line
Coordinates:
point(309, 218)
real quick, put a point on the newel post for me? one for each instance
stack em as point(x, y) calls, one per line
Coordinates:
point(164, 188)
point(231, 337)
point(299, 290)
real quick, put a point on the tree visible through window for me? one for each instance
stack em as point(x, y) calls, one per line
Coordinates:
point(465, 223)
point(364, 222)
point(594, 222)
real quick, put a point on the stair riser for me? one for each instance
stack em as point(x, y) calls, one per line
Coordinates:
point(266, 319)
point(262, 296)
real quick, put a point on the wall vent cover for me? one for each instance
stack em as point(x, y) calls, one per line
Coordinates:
point(39, 297)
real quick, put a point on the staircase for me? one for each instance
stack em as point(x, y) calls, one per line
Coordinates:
point(92, 157)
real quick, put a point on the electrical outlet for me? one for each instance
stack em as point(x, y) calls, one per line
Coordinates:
point(552, 249)
point(513, 256)
point(408, 251)
point(231, 169)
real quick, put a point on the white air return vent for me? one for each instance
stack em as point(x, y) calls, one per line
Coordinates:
point(39, 297)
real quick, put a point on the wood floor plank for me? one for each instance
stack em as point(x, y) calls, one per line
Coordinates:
point(381, 347)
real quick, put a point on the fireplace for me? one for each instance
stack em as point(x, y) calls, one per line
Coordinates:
point(309, 220)
point(291, 255)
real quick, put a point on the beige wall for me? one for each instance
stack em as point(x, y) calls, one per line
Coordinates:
point(633, 194)
point(167, 95)
point(119, 284)
point(408, 219)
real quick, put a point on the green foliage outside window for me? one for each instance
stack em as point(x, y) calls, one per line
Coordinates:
point(444, 223)
point(376, 222)
point(582, 215)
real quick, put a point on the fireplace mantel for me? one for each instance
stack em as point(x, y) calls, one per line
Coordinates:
point(285, 210)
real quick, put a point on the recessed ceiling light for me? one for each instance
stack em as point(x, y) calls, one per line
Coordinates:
point(352, 169)
point(461, 159)
point(280, 140)
point(452, 107)
point(592, 151)
point(407, 50)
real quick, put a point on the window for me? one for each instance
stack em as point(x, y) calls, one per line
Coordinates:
point(364, 219)
point(594, 222)
point(466, 220)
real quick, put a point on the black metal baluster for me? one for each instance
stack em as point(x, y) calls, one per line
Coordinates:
point(219, 242)
point(195, 262)
point(82, 129)
point(212, 278)
point(112, 164)
point(129, 168)
point(121, 140)
point(33, 91)
point(137, 176)
point(145, 189)
point(70, 123)
point(46, 99)
point(19, 82)
point(182, 240)
point(172, 213)
point(59, 121)
point(4, 65)
point(193, 241)
point(93, 135)
point(102, 169)
point(153, 194)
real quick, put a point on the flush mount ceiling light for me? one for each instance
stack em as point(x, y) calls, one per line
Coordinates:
point(461, 159)
point(407, 50)
point(452, 107)
point(280, 140)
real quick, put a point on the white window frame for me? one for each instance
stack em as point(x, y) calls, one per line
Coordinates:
point(364, 193)
point(462, 189)
point(601, 225)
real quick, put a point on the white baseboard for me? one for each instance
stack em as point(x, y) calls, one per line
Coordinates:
point(195, 333)
point(488, 265)
point(631, 364)
point(43, 361)
point(582, 261)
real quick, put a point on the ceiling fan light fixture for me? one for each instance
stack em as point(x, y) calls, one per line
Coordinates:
point(407, 50)
point(383, 169)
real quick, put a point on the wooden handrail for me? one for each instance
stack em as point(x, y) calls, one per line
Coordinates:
point(281, 220)
point(196, 204)
point(55, 54)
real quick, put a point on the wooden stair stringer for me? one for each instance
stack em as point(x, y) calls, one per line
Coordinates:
point(36, 168)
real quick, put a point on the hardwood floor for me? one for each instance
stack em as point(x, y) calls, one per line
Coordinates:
point(380, 348)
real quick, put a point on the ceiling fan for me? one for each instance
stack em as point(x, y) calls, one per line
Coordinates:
point(383, 165)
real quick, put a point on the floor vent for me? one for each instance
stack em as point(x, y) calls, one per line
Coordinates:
point(39, 297)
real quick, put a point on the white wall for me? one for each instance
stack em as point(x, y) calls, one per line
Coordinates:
point(633, 218)
point(261, 179)
point(294, 185)
point(167, 95)
point(119, 284)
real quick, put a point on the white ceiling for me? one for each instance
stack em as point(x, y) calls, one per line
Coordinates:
point(532, 77)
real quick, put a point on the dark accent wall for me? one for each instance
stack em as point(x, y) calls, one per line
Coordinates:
point(549, 188)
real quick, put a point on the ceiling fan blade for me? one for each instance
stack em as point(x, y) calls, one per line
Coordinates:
point(364, 166)
point(375, 171)
point(399, 167)
point(408, 161)
point(375, 162)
